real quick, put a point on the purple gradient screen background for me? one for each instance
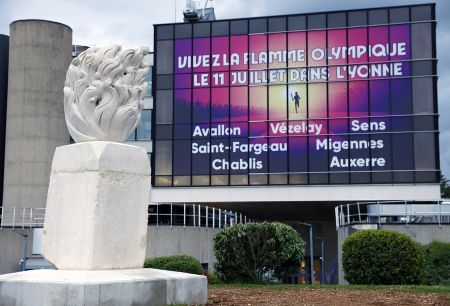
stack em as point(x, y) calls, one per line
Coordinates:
point(332, 104)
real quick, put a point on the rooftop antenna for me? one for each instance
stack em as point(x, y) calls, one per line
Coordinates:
point(192, 13)
point(203, 10)
point(191, 5)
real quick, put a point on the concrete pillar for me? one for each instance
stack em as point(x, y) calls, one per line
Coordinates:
point(4, 51)
point(39, 55)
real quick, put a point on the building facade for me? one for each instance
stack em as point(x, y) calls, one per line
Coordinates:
point(286, 117)
point(271, 118)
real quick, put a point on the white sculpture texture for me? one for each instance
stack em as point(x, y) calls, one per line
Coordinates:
point(103, 93)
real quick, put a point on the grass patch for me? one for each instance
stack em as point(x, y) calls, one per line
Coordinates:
point(282, 287)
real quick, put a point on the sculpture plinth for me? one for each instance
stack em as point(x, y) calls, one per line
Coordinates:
point(95, 233)
point(97, 199)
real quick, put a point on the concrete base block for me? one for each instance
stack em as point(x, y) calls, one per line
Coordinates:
point(130, 287)
point(96, 214)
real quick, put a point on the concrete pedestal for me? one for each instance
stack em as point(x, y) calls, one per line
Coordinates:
point(132, 287)
point(96, 215)
point(95, 233)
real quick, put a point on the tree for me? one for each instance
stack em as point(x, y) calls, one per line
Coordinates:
point(445, 187)
point(254, 252)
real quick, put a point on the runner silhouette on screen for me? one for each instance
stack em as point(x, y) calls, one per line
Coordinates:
point(296, 99)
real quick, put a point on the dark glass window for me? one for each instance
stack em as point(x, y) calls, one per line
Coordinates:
point(421, 41)
point(381, 177)
point(423, 93)
point(181, 181)
point(378, 16)
point(278, 179)
point(163, 132)
point(339, 178)
point(357, 18)
point(296, 23)
point(164, 106)
point(424, 123)
point(424, 151)
point(298, 179)
point(421, 13)
point(360, 178)
point(422, 68)
point(318, 178)
point(200, 180)
point(398, 15)
point(317, 21)
point(165, 81)
point(201, 29)
point(258, 25)
point(337, 20)
point(164, 51)
point(260, 179)
point(164, 32)
point(163, 157)
point(220, 28)
point(277, 24)
point(183, 30)
point(219, 180)
point(239, 179)
point(238, 27)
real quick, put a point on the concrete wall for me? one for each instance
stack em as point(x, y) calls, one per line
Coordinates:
point(40, 53)
point(347, 193)
point(4, 57)
point(342, 235)
point(166, 240)
point(162, 240)
point(11, 249)
point(422, 233)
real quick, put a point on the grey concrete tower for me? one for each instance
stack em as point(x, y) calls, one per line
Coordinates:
point(4, 51)
point(39, 55)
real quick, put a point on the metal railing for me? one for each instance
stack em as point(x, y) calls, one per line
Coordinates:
point(21, 217)
point(393, 212)
point(159, 214)
point(193, 215)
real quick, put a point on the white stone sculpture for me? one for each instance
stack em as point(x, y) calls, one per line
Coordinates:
point(95, 228)
point(103, 93)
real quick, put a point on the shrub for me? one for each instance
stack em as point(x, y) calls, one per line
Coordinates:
point(437, 263)
point(213, 279)
point(382, 257)
point(254, 252)
point(179, 263)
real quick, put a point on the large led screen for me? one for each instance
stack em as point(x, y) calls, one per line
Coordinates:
point(311, 106)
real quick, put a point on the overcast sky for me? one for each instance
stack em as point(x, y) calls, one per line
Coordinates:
point(129, 23)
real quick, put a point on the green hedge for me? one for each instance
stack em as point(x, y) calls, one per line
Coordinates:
point(213, 279)
point(256, 252)
point(382, 257)
point(437, 263)
point(179, 263)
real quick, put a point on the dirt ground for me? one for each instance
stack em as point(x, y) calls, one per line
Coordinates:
point(321, 296)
